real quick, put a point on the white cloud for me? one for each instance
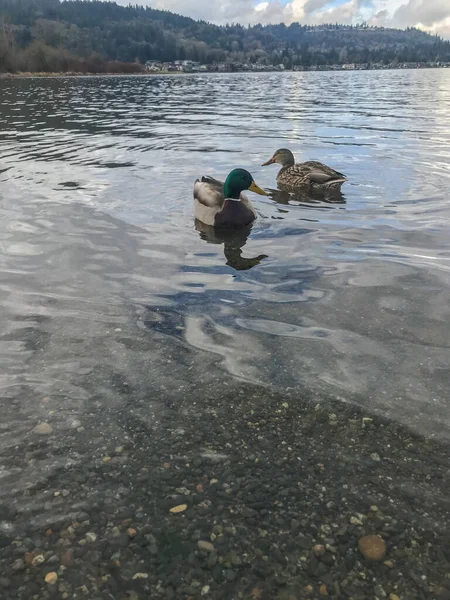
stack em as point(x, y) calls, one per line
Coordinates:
point(441, 28)
point(430, 15)
point(344, 13)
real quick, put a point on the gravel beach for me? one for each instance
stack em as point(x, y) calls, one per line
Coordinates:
point(239, 495)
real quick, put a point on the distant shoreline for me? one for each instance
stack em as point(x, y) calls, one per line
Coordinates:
point(76, 74)
point(26, 75)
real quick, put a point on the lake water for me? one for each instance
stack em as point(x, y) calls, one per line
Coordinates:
point(116, 309)
point(97, 179)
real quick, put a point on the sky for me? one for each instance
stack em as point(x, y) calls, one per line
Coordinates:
point(430, 15)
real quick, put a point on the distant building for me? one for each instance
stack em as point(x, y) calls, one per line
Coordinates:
point(153, 66)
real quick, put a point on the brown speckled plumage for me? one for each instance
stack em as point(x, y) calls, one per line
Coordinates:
point(308, 174)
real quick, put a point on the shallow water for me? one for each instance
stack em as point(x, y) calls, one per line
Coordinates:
point(98, 235)
point(115, 307)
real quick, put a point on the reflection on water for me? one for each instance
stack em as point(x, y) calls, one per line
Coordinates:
point(233, 241)
point(306, 196)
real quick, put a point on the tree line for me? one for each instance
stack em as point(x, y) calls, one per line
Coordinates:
point(95, 36)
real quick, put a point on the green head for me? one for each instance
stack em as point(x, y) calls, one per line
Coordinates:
point(238, 181)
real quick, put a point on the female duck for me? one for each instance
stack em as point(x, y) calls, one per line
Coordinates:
point(312, 173)
point(223, 204)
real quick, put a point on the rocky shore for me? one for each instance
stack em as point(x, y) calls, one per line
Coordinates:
point(243, 495)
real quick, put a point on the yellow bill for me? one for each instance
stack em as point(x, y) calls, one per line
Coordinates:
point(256, 189)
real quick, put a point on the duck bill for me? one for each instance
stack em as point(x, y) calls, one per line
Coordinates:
point(269, 162)
point(256, 189)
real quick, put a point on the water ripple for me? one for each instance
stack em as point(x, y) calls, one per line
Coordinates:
point(106, 281)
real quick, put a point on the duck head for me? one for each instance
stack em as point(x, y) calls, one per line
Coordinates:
point(283, 156)
point(238, 181)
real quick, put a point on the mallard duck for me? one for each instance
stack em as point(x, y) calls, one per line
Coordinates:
point(223, 204)
point(312, 173)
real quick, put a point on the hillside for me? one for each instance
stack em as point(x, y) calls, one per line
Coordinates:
point(81, 35)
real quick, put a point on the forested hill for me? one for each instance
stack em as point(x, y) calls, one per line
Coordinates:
point(50, 35)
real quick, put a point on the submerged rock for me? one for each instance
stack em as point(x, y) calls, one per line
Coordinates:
point(372, 547)
point(51, 578)
point(206, 546)
point(43, 429)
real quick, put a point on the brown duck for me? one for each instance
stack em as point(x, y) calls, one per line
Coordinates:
point(308, 174)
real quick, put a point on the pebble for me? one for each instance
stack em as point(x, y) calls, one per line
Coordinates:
point(206, 546)
point(205, 590)
point(178, 509)
point(319, 550)
point(140, 576)
point(131, 532)
point(375, 457)
point(393, 597)
point(38, 560)
point(323, 590)
point(18, 565)
point(212, 560)
point(372, 547)
point(51, 578)
point(43, 429)
point(379, 591)
point(91, 537)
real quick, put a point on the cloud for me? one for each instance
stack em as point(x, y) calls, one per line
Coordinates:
point(314, 12)
point(216, 11)
point(424, 12)
point(430, 15)
point(379, 19)
point(313, 5)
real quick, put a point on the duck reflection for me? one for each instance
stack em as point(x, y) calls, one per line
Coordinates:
point(233, 241)
point(309, 196)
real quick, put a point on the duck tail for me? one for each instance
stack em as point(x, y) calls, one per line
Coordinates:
point(335, 184)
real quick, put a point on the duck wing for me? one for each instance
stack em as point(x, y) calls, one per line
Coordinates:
point(209, 192)
point(320, 173)
point(212, 181)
